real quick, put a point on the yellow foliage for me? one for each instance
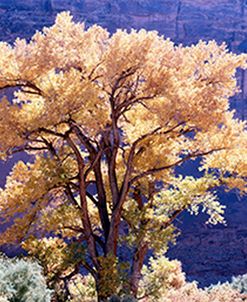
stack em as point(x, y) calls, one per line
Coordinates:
point(106, 120)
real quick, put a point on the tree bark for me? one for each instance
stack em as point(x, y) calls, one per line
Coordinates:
point(84, 209)
point(96, 167)
point(137, 265)
point(103, 212)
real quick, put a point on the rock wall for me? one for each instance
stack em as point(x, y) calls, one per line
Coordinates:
point(213, 253)
point(217, 252)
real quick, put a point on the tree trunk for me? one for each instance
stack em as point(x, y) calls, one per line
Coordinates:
point(101, 295)
point(101, 298)
point(137, 265)
point(111, 244)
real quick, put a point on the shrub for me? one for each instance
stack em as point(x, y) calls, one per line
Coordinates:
point(191, 293)
point(22, 281)
point(115, 298)
point(240, 283)
point(126, 298)
point(164, 281)
point(159, 277)
point(82, 288)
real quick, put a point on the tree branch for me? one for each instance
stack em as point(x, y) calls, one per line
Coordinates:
point(187, 157)
point(84, 209)
point(95, 158)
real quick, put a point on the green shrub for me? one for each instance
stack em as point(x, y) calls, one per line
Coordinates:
point(115, 298)
point(22, 281)
point(240, 283)
point(126, 298)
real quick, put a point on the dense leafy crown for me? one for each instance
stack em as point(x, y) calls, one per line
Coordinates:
point(115, 113)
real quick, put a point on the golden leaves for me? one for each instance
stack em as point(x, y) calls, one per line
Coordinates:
point(130, 84)
point(29, 188)
point(70, 71)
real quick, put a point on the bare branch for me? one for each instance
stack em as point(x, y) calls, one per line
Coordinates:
point(23, 83)
point(187, 157)
point(90, 77)
point(73, 228)
point(95, 158)
point(48, 131)
point(84, 208)
point(71, 197)
point(91, 197)
point(125, 106)
point(94, 163)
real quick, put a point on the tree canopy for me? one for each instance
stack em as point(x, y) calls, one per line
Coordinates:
point(106, 119)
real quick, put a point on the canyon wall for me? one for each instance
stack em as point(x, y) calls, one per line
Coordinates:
point(207, 253)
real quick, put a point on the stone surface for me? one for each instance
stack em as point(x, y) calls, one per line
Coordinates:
point(208, 254)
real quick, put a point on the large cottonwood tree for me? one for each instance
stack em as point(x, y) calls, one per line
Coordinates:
point(106, 120)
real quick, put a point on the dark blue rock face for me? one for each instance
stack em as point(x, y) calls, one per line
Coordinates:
point(208, 253)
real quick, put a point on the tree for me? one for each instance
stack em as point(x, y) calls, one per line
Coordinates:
point(106, 121)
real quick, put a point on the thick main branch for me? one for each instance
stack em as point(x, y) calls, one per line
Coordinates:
point(84, 208)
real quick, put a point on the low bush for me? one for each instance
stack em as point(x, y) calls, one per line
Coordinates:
point(22, 281)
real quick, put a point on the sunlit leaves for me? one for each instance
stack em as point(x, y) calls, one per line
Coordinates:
point(107, 119)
